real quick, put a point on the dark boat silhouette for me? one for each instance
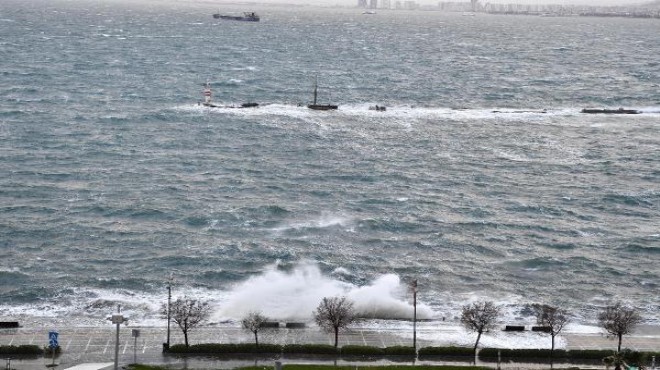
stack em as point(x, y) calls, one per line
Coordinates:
point(246, 17)
point(316, 106)
point(610, 111)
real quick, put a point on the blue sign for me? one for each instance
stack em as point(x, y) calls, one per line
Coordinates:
point(52, 339)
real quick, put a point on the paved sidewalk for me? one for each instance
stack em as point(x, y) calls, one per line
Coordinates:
point(97, 345)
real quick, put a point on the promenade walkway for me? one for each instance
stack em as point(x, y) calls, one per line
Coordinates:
point(97, 345)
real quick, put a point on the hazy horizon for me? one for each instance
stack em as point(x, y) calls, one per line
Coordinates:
point(351, 3)
point(434, 2)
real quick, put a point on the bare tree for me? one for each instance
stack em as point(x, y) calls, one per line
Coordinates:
point(188, 313)
point(253, 322)
point(479, 317)
point(333, 314)
point(553, 318)
point(618, 320)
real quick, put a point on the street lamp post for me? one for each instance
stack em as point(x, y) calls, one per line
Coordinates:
point(117, 319)
point(169, 303)
point(413, 285)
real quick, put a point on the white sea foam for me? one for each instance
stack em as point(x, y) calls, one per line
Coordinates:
point(278, 294)
point(383, 299)
point(341, 271)
point(443, 333)
point(325, 220)
point(651, 109)
point(459, 336)
point(402, 113)
point(295, 294)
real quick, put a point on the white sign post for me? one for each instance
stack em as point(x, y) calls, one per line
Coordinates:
point(117, 319)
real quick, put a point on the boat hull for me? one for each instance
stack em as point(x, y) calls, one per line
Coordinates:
point(609, 111)
point(237, 18)
point(322, 106)
point(244, 105)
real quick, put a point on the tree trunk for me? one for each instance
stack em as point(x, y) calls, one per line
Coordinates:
point(256, 339)
point(476, 344)
point(620, 338)
point(552, 349)
point(185, 337)
point(336, 337)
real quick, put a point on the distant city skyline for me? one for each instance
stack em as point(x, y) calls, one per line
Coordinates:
point(435, 2)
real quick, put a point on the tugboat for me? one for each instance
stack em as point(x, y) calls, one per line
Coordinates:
point(207, 100)
point(316, 106)
point(246, 17)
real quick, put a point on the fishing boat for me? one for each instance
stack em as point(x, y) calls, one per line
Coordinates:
point(208, 103)
point(246, 17)
point(316, 106)
point(610, 111)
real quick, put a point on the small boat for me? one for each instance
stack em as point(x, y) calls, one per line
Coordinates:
point(208, 103)
point(369, 12)
point(378, 108)
point(316, 106)
point(610, 111)
point(246, 17)
point(543, 111)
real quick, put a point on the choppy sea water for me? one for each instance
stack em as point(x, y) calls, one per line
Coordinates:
point(482, 180)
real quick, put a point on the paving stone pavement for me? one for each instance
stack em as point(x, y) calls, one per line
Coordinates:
point(94, 344)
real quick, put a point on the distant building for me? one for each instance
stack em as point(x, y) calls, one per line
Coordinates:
point(455, 6)
point(362, 3)
point(410, 5)
point(385, 4)
point(373, 4)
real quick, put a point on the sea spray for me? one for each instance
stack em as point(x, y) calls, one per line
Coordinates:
point(295, 294)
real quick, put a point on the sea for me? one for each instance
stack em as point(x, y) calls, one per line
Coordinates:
point(482, 180)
